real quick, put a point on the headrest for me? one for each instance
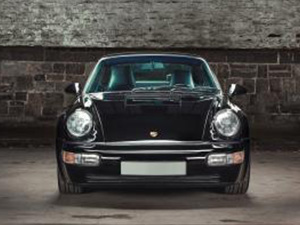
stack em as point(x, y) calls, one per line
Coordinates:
point(121, 78)
point(182, 77)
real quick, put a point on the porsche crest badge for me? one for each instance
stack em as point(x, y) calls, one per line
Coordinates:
point(153, 134)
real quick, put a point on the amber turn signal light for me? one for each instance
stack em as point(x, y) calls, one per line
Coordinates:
point(222, 159)
point(83, 159)
point(68, 157)
point(238, 157)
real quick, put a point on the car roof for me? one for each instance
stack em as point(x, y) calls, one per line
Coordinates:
point(149, 54)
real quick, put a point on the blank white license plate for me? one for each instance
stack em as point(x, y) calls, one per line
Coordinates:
point(153, 168)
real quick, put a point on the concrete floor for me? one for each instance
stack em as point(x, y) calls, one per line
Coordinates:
point(28, 195)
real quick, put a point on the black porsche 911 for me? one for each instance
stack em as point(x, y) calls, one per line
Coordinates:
point(153, 119)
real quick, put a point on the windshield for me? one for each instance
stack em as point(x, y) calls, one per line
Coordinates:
point(151, 74)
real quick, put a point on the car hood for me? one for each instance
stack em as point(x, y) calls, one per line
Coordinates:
point(154, 116)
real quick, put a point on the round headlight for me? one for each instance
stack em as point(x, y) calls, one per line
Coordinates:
point(227, 123)
point(79, 123)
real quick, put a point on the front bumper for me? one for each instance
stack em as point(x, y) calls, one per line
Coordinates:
point(195, 154)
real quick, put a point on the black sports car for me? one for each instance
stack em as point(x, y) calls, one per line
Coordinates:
point(153, 119)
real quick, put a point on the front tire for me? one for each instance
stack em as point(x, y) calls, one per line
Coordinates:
point(240, 187)
point(67, 188)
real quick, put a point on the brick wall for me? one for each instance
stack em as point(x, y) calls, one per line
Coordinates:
point(151, 23)
point(32, 80)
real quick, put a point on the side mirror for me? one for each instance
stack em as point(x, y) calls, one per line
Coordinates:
point(73, 88)
point(236, 89)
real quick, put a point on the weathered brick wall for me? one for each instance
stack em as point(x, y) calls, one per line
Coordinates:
point(32, 80)
point(151, 23)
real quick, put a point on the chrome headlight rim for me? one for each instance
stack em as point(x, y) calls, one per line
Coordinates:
point(71, 131)
point(216, 123)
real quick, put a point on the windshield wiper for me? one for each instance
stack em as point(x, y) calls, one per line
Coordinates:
point(141, 89)
point(205, 89)
point(176, 87)
point(173, 87)
point(153, 88)
point(184, 87)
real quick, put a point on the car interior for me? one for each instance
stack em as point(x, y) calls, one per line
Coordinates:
point(123, 78)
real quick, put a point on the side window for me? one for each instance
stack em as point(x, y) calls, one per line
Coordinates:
point(105, 77)
point(201, 76)
point(94, 79)
point(98, 81)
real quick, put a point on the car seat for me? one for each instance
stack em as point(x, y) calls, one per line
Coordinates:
point(182, 77)
point(121, 78)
